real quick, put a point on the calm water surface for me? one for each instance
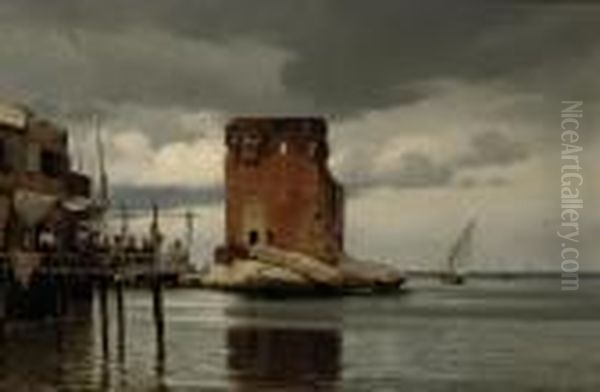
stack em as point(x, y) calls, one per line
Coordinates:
point(522, 335)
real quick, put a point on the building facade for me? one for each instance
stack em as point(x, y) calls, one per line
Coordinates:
point(35, 176)
point(279, 190)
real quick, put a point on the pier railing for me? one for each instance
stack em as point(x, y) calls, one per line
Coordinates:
point(95, 263)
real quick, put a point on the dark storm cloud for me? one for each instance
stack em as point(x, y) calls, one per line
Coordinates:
point(139, 62)
point(346, 56)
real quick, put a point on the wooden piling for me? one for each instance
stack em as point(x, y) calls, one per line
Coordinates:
point(3, 301)
point(189, 219)
point(157, 289)
point(62, 284)
point(104, 316)
point(121, 323)
point(122, 262)
point(159, 317)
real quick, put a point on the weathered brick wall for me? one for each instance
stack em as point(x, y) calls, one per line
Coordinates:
point(279, 188)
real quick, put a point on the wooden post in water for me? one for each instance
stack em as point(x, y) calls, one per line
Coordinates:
point(157, 290)
point(189, 222)
point(3, 299)
point(119, 285)
point(121, 331)
point(104, 317)
point(159, 321)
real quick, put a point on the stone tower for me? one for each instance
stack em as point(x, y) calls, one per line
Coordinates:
point(280, 191)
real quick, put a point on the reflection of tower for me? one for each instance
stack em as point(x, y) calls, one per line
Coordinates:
point(263, 359)
point(280, 191)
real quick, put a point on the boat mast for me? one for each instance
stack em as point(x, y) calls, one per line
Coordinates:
point(102, 174)
point(102, 202)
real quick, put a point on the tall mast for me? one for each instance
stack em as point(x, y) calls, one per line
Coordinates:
point(103, 176)
point(78, 153)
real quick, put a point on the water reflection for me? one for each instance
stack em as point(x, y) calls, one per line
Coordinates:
point(283, 359)
point(271, 347)
point(444, 340)
point(44, 356)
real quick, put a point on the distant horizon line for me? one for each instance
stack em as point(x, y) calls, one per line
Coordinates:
point(499, 273)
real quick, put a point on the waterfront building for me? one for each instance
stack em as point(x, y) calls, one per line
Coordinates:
point(44, 210)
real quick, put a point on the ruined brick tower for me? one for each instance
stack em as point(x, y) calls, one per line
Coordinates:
point(280, 191)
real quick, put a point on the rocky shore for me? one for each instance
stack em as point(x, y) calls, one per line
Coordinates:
point(269, 268)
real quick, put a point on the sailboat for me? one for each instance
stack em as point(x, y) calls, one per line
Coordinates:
point(459, 251)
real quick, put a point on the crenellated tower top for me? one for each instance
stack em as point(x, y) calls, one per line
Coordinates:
point(250, 139)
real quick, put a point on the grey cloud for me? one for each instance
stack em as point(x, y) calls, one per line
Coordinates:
point(166, 197)
point(472, 181)
point(493, 148)
point(416, 169)
point(410, 170)
point(497, 181)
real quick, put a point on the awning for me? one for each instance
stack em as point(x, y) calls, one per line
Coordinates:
point(33, 207)
point(77, 204)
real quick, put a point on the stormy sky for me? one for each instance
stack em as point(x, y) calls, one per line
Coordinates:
point(438, 110)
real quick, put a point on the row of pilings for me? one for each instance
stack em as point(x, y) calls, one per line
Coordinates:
point(56, 285)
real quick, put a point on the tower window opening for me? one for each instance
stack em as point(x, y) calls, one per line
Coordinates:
point(283, 148)
point(253, 237)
